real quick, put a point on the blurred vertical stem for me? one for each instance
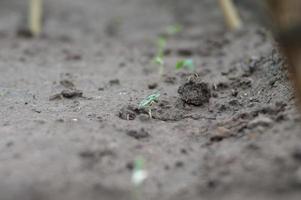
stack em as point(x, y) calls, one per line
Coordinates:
point(231, 14)
point(35, 17)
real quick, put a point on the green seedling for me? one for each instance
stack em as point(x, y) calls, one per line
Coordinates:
point(139, 175)
point(188, 63)
point(174, 29)
point(161, 44)
point(148, 103)
point(158, 60)
point(35, 15)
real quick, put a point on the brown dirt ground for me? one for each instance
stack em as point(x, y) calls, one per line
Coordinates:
point(62, 97)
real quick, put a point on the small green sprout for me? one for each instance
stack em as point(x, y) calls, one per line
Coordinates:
point(188, 63)
point(139, 173)
point(158, 60)
point(161, 44)
point(174, 29)
point(148, 102)
point(35, 15)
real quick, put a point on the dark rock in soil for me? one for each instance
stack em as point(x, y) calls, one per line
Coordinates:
point(195, 92)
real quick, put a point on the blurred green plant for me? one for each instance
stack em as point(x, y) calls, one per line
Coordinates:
point(188, 64)
point(159, 58)
point(173, 29)
point(161, 45)
point(139, 175)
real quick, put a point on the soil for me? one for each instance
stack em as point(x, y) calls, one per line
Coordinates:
point(70, 123)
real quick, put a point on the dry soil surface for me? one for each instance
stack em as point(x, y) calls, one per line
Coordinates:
point(70, 123)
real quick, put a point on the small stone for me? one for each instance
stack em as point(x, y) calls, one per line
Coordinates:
point(141, 134)
point(144, 118)
point(67, 93)
point(220, 133)
point(72, 93)
point(261, 120)
point(152, 86)
point(114, 82)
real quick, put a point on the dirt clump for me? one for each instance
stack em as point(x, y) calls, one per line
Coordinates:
point(128, 112)
point(138, 134)
point(195, 92)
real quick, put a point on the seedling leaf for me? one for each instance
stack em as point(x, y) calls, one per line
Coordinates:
point(188, 63)
point(148, 101)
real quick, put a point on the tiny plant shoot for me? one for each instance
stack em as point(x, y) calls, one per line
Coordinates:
point(148, 102)
point(161, 45)
point(174, 29)
point(139, 174)
point(188, 64)
point(35, 16)
point(158, 60)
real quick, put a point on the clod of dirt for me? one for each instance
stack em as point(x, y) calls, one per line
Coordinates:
point(91, 157)
point(114, 82)
point(144, 117)
point(24, 33)
point(140, 134)
point(195, 92)
point(261, 120)
point(128, 112)
point(219, 134)
point(67, 94)
point(184, 52)
point(179, 164)
point(73, 57)
point(152, 86)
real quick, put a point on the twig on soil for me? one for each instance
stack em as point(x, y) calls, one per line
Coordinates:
point(35, 16)
point(231, 14)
